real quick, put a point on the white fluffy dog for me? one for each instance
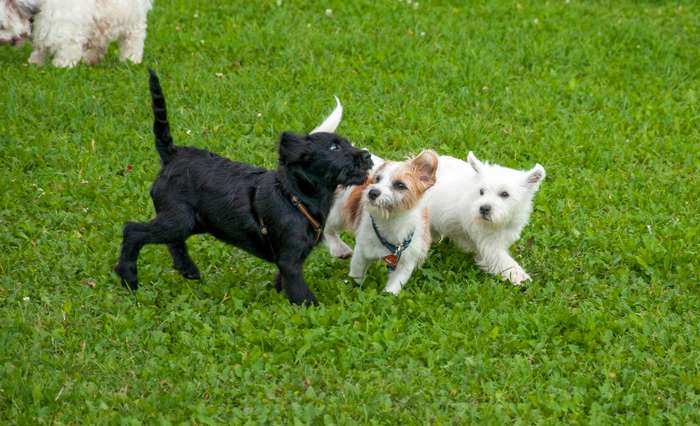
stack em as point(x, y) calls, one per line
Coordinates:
point(388, 217)
point(71, 30)
point(483, 208)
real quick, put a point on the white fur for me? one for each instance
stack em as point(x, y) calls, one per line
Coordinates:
point(14, 20)
point(331, 123)
point(75, 30)
point(335, 222)
point(454, 202)
point(395, 225)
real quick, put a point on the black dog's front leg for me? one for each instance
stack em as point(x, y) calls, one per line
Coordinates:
point(278, 282)
point(291, 278)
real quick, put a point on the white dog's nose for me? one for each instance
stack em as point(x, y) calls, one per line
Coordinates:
point(485, 210)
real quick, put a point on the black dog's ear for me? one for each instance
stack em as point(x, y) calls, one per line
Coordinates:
point(293, 148)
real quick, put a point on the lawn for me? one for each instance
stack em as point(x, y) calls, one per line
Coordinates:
point(604, 94)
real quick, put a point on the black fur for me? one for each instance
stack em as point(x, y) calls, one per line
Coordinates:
point(197, 192)
point(161, 128)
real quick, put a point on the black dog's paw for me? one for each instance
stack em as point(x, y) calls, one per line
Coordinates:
point(185, 266)
point(310, 301)
point(189, 272)
point(191, 275)
point(302, 297)
point(127, 276)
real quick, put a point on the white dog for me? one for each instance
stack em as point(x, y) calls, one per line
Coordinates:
point(483, 208)
point(71, 30)
point(388, 217)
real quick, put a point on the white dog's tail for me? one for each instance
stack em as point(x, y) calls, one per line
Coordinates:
point(331, 123)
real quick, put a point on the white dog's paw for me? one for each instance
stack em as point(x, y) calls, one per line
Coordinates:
point(131, 49)
point(133, 58)
point(65, 62)
point(358, 280)
point(37, 58)
point(340, 251)
point(395, 290)
point(93, 56)
point(517, 276)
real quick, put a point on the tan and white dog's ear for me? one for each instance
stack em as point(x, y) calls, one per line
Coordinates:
point(426, 164)
point(331, 123)
point(474, 162)
point(535, 177)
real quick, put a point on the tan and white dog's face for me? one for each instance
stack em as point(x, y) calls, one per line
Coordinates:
point(397, 186)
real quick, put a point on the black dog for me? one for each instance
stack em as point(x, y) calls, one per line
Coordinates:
point(276, 215)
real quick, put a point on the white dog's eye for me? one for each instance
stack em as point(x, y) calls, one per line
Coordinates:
point(377, 178)
point(334, 146)
point(481, 191)
point(504, 194)
point(399, 185)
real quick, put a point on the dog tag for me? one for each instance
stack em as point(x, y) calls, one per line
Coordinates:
point(391, 261)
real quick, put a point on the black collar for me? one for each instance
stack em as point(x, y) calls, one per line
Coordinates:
point(392, 259)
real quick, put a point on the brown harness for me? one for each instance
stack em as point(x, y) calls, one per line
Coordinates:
point(317, 226)
point(302, 209)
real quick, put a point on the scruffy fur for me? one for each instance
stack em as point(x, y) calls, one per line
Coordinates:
point(393, 198)
point(249, 207)
point(68, 31)
point(483, 209)
point(15, 20)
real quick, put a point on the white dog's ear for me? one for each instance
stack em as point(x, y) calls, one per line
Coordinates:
point(535, 177)
point(474, 162)
point(332, 121)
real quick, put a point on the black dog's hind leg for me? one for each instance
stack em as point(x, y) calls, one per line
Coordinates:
point(292, 280)
point(182, 261)
point(167, 228)
point(131, 245)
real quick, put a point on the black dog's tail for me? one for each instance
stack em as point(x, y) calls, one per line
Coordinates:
point(161, 128)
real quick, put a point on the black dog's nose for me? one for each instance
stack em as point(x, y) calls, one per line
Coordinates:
point(485, 209)
point(366, 155)
point(373, 194)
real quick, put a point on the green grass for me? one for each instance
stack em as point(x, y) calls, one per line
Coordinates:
point(604, 94)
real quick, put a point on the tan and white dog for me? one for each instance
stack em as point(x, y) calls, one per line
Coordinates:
point(389, 219)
